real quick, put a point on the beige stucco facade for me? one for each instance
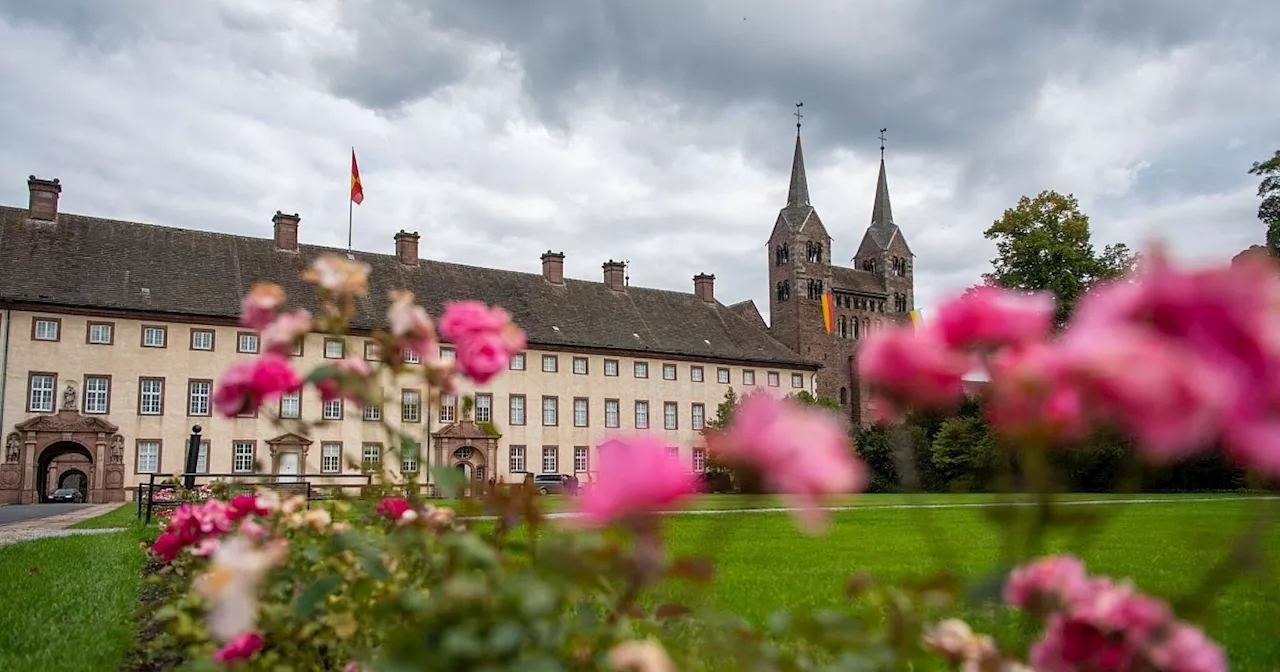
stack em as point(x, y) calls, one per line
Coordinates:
point(33, 352)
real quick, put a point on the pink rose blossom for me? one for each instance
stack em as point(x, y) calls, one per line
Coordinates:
point(485, 339)
point(912, 367)
point(1186, 649)
point(246, 385)
point(245, 505)
point(635, 477)
point(241, 648)
point(339, 275)
point(205, 547)
point(482, 356)
point(407, 319)
point(280, 336)
point(167, 546)
point(466, 318)
point(259, 306)
point(1029, 398)
point(1046, 583)
point(393, 508)
point(345, 381)
point(991, 317)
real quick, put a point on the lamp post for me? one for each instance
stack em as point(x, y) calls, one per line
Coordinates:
point(193, 459)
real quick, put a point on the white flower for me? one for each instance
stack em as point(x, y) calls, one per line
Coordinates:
point(230, 586)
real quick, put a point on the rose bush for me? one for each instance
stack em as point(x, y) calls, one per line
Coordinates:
point(389, 581)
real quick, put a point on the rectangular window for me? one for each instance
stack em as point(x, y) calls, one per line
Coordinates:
point(580, 463)
point(698, 416)
point(668, 371)
point(409, 459)
point(330, 458)
point(516, 412)
point(695, 374)
point(611, 413)
point(515, 463)
point(198, 397)
point(642, 415)
point(748, 377)
point(202, 457)
point(610, 367)
point(699, 459)
point(202, 339)
point(580, 366)
point(334, 348)
point(148, 461)
point(410, 356)
point(242, 457)
point(373, 413)
point(410, 406)
point(642, 369)
point(580, 408)
point(550, 459)
point(46, 328)
point(291, 405)
point(670, 413)
point(332, 410)
point(673, 452)
point(722, 376)
point(150, 396)
point(447, 354)
point(484, 408)
point(797, 380)
point(247, 343)
point(40, 395)
point(372, 351)
point(101, 333)
point(371, 456)
point(97, 394)
point(517, 362)
point(550, 411)
point(448, 407)
point(297, 346)
point(773, 379)
point(550, 363)
point(154, 336)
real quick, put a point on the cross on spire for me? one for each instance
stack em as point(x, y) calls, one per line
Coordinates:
point(798, 116)
point(882, 131)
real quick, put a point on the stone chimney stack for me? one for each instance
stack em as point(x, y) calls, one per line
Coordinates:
point(704, 287)
point(286, 227)
point(615, 275)
point(44, 198)
point(553, 267)
point(407, 247)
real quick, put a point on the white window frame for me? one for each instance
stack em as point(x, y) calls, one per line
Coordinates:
point(581, 459)
point(550, 364)
point(517, 362)
point(330, 458)
point(160, 334)
point(797, 380)
point(106, 328)
point(291, 405)
point(370, 455)
point(198, 337)
point(670, 415)
point(515, 459)
point(483, 410)
point(610, 367)
point(698, 417)
point(699, 459)
point(516, 410)
point(612, 413)
point(40, 397)
point(329, 348)
point(642, 418)
point(581, 412)
point(90, 408)
point(696, 374)
point(448, 407)
point(149, 462)
point(723, 375)
point(551, 459)
point(773, 379)
point(198, 396)
point(581, 366)
point(669, 371)
point(242, 454)
point(410, 406)
point(247, 344)
point(640, 369)
point(156, 396)
point(332, 410)
point(50, 332)
point(550, 411)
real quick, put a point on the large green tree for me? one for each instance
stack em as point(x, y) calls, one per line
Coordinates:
point(1044, 244)
point(1269, 192)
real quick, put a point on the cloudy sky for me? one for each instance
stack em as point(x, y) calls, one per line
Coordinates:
point(657, 131)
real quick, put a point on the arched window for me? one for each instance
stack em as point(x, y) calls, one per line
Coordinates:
point(786, 289)
point(842, 327)
point(844, 393)
point(856, 330)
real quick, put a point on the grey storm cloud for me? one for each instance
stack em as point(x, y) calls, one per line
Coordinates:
point(653, 131)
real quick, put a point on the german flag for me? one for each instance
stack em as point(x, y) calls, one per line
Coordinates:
point(828, 311)
point(357, 189)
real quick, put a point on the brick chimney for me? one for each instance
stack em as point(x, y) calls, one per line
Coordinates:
point(553, 267)
point(407, 247)
point(704, 287)
point(615, 275)
point(44, 198)
point(286, 227)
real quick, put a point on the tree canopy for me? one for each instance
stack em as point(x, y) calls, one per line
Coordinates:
point(1269, 192)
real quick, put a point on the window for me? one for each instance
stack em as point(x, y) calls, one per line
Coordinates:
point(97, 394)
point(668, 371)
point(797, 380)
point(748, 377)
point(40, 392)
point(642, 369)
point(695, 374)
point(410, 356)
point(372, 351)
point(370, 456)
point(291, 405)
point(699, 459)
point(515, 463)
point(373, 413)
point(550, 411)
point(410, 406)
point(773, 378)
point(148, 460)
point(448, 407)
point(242, 457)
point(673, 452)
point(297, 346)
point(332, 410)
point(642, 415)
point(611, 413)
point(610, 367)
point(550, 363)
point(580, 409)
point(334, 348)
point(580, 366)
point(409, 459)
point(698, 416)
point(550, 459)
point(484, 408)
point(151, 396)
point(100, 333)
point(247, 343)
point(202, 457)
point(330, 458)
point(46, 329)
point(201, 339)
point(670, 411)
point(153, 336)
point(580, 459)
point(198, 396)
point(722, 376)
point(517, 362)
point(447, 354)
point(515, 413)
point(844, 396)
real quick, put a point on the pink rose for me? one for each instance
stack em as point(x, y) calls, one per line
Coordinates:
point(393, 508)
point(280, 336)
point(913, 367)
point(465, 318)
point(407, 318)
point(241, 648)
point(345, 381)
point(259, 306)
point(1029, 398)
point(992, 317)
point(246, 385)
point(244, 505)
point(635, 477)
point(1046, 584)
point(167, 547)
point(482, 356)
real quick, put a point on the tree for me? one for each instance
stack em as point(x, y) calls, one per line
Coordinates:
point(809, 400)
point(965, 453)
point(1269, 192)
point(1043, 244)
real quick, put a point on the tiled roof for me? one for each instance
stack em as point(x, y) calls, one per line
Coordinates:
point(856, 280)
point(87, 262)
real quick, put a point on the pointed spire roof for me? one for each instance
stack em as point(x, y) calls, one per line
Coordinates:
point(882, 229)
point(798, 194)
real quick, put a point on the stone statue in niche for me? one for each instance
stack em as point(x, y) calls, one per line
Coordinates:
point(69, 398)
point(116, 456)
point(12, 448)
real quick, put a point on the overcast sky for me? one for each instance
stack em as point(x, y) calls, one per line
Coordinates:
point(657, 131)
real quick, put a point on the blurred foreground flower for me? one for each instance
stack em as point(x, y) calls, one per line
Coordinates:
point(246, 385)
point(339, 275)
point(230, 585)
point(635, 477)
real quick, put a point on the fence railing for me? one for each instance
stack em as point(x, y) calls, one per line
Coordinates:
point(145, 493)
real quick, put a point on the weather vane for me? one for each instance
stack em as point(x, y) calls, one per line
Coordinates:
point(798, 116)
point(882, 131)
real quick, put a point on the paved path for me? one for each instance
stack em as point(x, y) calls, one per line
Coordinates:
point(16, 513)
point(55, 524)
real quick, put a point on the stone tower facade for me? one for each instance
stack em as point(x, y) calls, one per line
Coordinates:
point(875, 289)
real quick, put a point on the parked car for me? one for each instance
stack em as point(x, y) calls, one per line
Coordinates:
point(66, 495)
point(553, 484)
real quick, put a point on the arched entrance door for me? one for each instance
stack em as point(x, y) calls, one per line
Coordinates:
point(74, 478)
point(62, 457)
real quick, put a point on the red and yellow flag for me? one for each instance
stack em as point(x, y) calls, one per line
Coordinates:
point(828, 311)
point(357, 189)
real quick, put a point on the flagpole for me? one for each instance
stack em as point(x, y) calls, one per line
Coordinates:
point(350, 210)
